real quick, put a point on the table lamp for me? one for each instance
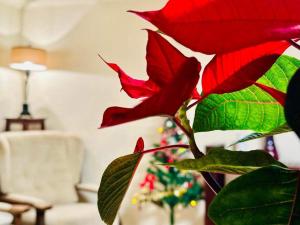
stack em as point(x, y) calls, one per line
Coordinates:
point(27, 59)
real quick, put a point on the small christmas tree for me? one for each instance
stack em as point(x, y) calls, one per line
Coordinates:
point(166, 186)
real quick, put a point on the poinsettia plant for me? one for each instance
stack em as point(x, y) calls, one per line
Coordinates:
point(244, 87)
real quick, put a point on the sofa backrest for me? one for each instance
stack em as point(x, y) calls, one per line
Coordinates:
point(43, 164)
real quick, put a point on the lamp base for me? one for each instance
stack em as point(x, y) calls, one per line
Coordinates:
point(25, 111)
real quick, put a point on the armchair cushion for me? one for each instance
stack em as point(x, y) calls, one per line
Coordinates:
point(26, 200)
point(5, 206)
point(5, 218)
point(86, 187)
point(68, 214)
point(42, 164)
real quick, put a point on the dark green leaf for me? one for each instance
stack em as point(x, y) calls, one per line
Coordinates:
point(267, 196)
point(281, 129)
point(250, 108)
point(114, 184)
point(224, 161)
point(292, 107)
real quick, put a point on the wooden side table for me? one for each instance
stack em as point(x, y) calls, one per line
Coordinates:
point(26, 124)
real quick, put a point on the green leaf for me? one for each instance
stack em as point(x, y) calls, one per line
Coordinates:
point(250, 108)
point(114, 184)
point(219, 160)
point(267, 196)
point(281, 129)
point(281, 73)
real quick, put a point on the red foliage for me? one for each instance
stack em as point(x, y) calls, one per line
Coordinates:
point(139, 145)
point(239, 69)
point(218, 26)
point(165, 102)
point(278, 95)
point(163, 60)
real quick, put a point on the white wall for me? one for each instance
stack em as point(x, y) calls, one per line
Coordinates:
point(74, 101)
point(11, 94)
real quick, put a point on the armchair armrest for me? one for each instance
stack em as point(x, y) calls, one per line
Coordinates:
point(6, 207)
point(87, 187)
point(19, 209)
point(37, 203)
point(15, 210)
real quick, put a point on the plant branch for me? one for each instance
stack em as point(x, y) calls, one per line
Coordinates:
point(294, 44)
point(164, 148)
point(196, 102)
point(209, 179)
point(193, 104)
point(184, 123)
point(178, 123)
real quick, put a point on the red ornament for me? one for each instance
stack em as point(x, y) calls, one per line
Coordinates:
point(149, 181)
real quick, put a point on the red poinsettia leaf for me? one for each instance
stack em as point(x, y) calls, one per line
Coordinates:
point(239, 69)
point(196, 95)
point(139, 145)
point(164, 103)
point(278, 95)
point(133, 87)
point(161, 71)
point(163, 59)
point(218, 26)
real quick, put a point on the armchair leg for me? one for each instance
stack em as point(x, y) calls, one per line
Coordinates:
point(17, 211)
point(40, 217)
point(17, 219)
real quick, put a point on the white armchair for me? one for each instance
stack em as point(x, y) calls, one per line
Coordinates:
point(42, 169)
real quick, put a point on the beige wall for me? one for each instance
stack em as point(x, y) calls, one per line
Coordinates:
point(77, 88)
point(107, 29)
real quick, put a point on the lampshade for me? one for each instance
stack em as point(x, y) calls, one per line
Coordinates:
point(28, 58)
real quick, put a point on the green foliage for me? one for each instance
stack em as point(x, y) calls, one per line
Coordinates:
point(281, 129)
point(224, 161)
point(269, 195)
point(280, 73)
point(250, 108)
point(114, 184)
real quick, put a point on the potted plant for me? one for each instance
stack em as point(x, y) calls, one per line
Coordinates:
point(248, 85)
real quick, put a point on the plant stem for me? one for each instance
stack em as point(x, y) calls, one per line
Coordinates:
point(294, 44)
point(196, 102)
point(193, 104)
point(178, 123)
point(184, 123)
point(164, 147)
point(209, 179)
point(172, 215)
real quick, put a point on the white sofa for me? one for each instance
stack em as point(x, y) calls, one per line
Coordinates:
point(42, 169)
